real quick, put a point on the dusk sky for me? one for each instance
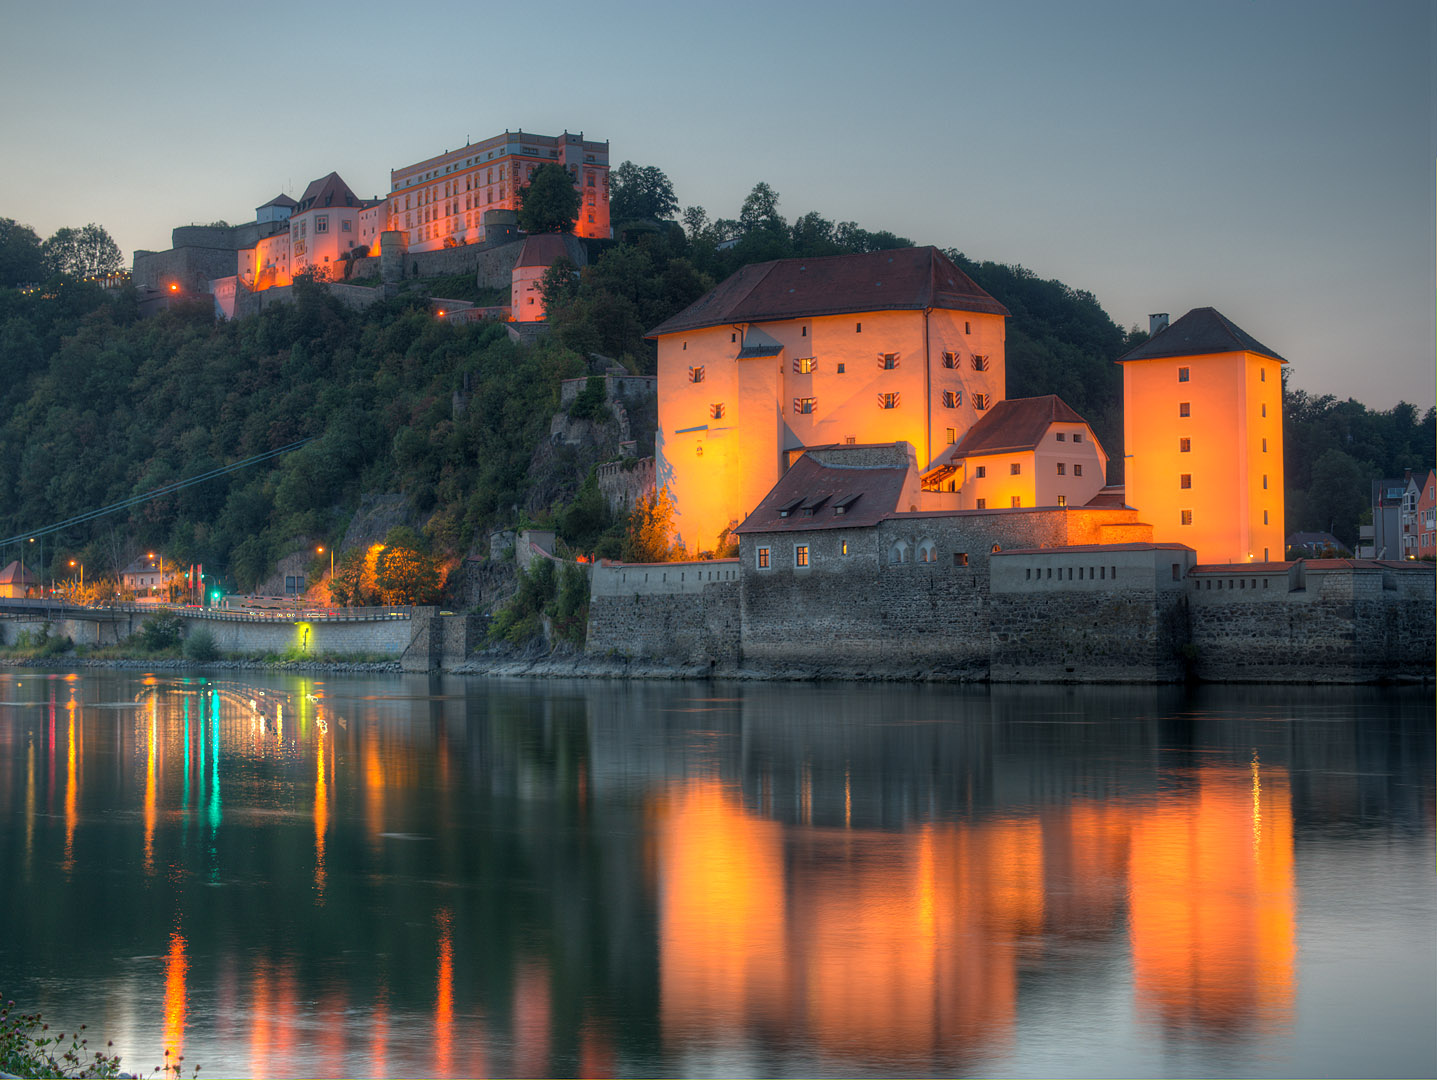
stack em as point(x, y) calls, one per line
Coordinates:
point(1272, 160)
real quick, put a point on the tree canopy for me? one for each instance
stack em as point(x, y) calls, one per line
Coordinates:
point(85, 252)
point(549, 202)
point(637, 192)
point(21, 258)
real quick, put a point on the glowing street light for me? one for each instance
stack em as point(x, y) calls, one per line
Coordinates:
point(81, 565)
point(320, 550)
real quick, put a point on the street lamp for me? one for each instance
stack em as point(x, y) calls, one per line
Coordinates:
point(162, 568)
point(42, 565)
point(81, 565)
point(320, 550)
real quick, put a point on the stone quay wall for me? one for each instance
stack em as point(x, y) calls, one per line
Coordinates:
point(1315, 624)
point(683, 613)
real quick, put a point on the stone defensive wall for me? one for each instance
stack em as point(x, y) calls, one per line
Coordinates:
point(683, 613)
point(1317, 620)
point(909, 597)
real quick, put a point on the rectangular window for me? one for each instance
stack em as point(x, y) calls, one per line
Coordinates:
point(843, 547)
point(716, 411)
point(980, 401)
point(1185, 480)
point(321, 223)
point(1264, 481)
point(952, 398)
point(346, 226)
point(1187, 517)
point(1077, 470)
point(980, 471)
point(803, 405)
point(960, 558)
point(763, 558)
point(1061, 437)
point(888, 401)
point(1062, 500)
point(800, 555)
point(1262, 374)
point(1062, 469)
point(888, 361)
point(1264, 409)
point(1264, 446)
point(951, 434)
point(950, 359)
point(1182, 374)
point(1264, 517)
point(1185, 408)
point(967, 328)
point(840, 369)
point(980, 363)
point(858, 329)
point(803, 365)
point(1015, 469)
point(1185, 446)
point(982, 504)
point(1017, 502)
point(1077, 436)
point(696, 373)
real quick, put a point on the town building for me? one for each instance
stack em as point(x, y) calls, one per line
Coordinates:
point(795, 353)
point(526, 300)
point(440, 201)
point(1202, 430)
point(1023, 452)
point(1388, 496)
point(16, 582)
point(1426, 519)
point(148, 578)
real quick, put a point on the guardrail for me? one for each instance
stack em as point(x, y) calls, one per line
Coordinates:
point(61, 609)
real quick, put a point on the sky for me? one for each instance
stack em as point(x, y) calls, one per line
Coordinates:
point(1274, 160)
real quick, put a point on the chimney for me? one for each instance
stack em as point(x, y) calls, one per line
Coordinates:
point(1157, 323)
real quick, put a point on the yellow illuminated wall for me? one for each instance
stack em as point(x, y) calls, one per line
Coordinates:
point(1037, 481)
point(1233, 457)
point(718, 468)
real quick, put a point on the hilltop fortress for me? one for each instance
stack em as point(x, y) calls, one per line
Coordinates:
point(898, 516)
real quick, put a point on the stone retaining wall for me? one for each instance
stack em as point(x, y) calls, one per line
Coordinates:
point(684, 613)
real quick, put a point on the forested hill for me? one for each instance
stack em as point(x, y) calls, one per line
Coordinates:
point(98, 405)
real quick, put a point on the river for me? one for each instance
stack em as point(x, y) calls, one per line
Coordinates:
point(407, 875)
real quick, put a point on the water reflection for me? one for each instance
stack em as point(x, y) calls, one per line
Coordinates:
point(433, 877)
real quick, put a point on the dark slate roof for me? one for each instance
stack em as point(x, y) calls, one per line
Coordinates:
point(809, 495)
point(750, 352)
point(1014, 424)
point(328, 190)
point(1114, 495)
point(279, 200)
point(900, 279)
point(543, 249)
point(1201, 331)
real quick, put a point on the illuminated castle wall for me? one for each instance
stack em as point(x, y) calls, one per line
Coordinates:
point(1202, 426)
point(440, 201)
point(875, 348)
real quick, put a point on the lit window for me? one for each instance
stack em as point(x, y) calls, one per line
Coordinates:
point(803, 404)
point(1017, 502)
point(980, 363)
point(803, 365)
point(1185, 446)
point(980, 471)
point(763, 558)
point(1187, 517)
point(980, 401)
point(1015, 469)
point(1182, 374)
point(888, 361)
point(1062, 469)
point(1062, 500)
point(952, 435)
point(960, 558)
point(952, 399)
point(982, 504)
point(800, 555)
point(888, 401)
point(950, 359)
point(716, 411)
point(696, 373)
point(1077, 470)
point(843, 547)
point(1185, 480)
point(1185, 408)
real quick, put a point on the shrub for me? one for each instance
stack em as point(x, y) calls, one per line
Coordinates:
point(200, 645)
point(591, 403)
point(161, 632)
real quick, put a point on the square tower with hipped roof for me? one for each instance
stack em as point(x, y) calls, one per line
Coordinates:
point(1202, 428)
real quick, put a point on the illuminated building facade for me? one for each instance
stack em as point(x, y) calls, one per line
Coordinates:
point(526, 298)
point(440, 202)
point(325, 225)
point(1023, 452)
point(1202, 427)
point(872, 348)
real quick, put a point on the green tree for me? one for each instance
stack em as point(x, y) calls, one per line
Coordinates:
point(650, 525)
point(640, 191)
point(760, 210)
point(83, 252)
point(21, 258)
point(549, 202)
point(1340, 491)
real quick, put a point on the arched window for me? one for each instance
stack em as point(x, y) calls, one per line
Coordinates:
point(996, 548)
point(898, 553)
point(927, 552)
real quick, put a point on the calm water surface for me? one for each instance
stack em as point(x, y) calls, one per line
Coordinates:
point(424, 876)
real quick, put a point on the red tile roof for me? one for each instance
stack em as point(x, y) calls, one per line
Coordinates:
point(1093, 549)
point(896, 280)
point(810, 493)
point(16, 574)
point(1014, 424)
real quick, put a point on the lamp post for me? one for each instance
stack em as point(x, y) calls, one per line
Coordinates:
point(162, 569)
point(320, 550)
point(42, 565)
point(81, 565)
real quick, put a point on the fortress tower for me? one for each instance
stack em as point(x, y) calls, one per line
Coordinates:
point(1202, 427)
